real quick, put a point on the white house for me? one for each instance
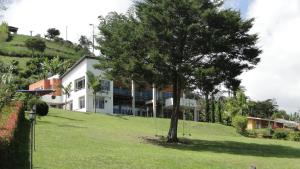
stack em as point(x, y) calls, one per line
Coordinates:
point(116, 98)
point(81, 98)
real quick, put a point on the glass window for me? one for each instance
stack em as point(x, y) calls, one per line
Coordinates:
point(81, 102)
point(105, 85)
point(79, 84)
point(99, 102)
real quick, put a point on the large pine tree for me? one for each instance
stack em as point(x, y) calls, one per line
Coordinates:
point(165, 41)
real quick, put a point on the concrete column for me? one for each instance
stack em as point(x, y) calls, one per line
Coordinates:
point(196, 118)
point(133, 97)
point(154, 100)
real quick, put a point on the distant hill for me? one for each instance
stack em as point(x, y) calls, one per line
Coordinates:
point(16, 48)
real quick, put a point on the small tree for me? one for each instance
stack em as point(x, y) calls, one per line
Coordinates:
point(53, 66)
point(66, 91)
point(35, 44)
point(52, 33)
point(4, 32)
point(94, 83)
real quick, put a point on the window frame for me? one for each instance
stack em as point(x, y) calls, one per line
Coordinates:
point(76, 83)
point(80, 101)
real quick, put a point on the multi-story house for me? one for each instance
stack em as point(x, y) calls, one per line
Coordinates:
point(116, 98)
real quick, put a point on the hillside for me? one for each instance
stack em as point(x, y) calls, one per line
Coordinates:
point(16, 48)
point(69, 140)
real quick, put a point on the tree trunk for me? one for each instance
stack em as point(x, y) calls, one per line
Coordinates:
point(207, 108)
point(213, 118)
point(66, 103)
point(220, 118)
point(95, 102)
point(172, 135)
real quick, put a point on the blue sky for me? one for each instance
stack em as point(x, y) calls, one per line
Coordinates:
point(241, 5)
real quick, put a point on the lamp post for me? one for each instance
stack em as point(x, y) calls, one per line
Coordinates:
point(93, 36)
point(32, 118)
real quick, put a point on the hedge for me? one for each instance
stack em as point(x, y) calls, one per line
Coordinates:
point(10, 131)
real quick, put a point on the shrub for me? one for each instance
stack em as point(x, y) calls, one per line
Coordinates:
point(42, 108)
point(280, 134)
point(240, 123)
point(294, 136)
point(4, 32)
point(35, 44)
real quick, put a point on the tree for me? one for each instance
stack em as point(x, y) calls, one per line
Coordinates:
point(163, 42)
point(35, 44)
point(52, 33)
point(4, 32)
point(94, 83)
point(53, 66)
point(84, 42)
point(66, 91)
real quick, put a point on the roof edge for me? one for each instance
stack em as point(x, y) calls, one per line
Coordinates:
point(77, 63)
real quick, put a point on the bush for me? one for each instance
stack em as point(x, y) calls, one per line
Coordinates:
point(240, 123)
point(280, 134)
point(294, 136)
point(42, 107)
point(4, 32)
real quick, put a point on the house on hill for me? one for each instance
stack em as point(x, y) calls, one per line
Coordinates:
point(12, 29)
point(258, 123)
point(116, 98)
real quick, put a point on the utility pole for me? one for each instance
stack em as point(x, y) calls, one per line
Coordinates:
point(93, 37)
point(66, 33)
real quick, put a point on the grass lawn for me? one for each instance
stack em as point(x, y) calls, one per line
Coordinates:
point(68, 140)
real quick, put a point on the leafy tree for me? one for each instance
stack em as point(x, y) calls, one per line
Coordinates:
point(53, 66)
point(66, 91)
point(35, 44)
point(263, 109)
point(94, 83)
point(4, 32)
point(163, 42)
point(52, 33)
point(84, 42)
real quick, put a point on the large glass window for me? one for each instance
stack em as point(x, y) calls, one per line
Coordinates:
point(99, 102)
point(105, 85)
point(80, 84)
point(81, 102)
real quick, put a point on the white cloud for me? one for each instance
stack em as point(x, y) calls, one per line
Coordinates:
point(277, 76)
point(39, 15)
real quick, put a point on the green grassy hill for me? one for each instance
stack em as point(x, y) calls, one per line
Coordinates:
point(15, 49)
point(68, 140)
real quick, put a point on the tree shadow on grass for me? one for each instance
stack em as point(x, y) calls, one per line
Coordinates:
point(66, 118)
point(230, 147)
point(118, 116)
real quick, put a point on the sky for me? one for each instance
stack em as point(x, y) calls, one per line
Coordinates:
point(276, 22)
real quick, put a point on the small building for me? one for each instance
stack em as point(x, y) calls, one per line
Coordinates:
point(54, 82)
point(12, 29)
point(288, 124)
point(258, 123)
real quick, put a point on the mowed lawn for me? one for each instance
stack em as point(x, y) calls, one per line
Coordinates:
point(69, 140)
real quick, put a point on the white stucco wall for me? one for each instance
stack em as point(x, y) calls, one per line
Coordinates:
point(76, 73)
point(108, 97)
